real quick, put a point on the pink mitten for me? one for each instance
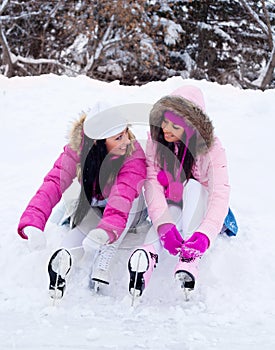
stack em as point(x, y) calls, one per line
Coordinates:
point(164, 178)
point(170, 238)
point(172, 189)
point(194, 247)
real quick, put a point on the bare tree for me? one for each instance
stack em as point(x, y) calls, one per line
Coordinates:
point(11, 60)
point(136, 41)
point(266, 75)
point(111, 37)
point(6, 53)
point(102, 39)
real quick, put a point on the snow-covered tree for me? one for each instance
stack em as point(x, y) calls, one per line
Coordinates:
point(137, 41)
point(260, 16)
point(6, 53)
point(110, 38)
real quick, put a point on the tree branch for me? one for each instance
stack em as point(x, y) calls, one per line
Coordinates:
point(7, 60)
point(269, 69)
point(255, 17)
point(268, 25)
point(3, 6)
point(33, 61)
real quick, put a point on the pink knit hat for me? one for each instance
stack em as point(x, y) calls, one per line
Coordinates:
point(177, 120)
point(191, 93)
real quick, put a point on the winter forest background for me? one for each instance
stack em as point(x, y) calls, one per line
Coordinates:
point(138, 41)
point(59, 57)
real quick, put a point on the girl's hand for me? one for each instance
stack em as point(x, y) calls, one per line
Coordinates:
point(194, 247)
point(170, 238)
point(36, 239)
point(94, 239)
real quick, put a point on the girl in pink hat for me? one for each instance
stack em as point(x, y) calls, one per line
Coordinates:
point(110, 165)
point(187, 188)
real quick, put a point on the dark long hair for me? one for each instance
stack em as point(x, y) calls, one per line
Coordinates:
point(96, 172)
point(165, 155)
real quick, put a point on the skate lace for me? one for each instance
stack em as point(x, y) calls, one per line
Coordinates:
point(190, 254)
point(104, 257)
point(154, 257)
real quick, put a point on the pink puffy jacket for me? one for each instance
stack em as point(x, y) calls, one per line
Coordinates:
point(211, 171)
point(127, 187)
point(210, 167)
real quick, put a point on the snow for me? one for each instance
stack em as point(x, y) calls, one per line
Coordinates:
point(233, 306)
point(172, 31)
point(226, 37)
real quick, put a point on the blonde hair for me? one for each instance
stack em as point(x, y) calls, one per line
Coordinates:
point(132, 139)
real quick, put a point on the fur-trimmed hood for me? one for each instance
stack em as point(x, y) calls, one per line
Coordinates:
point(76, 134)
point(188, 103)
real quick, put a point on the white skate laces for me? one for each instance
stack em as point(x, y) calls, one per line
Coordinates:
point(101, 264)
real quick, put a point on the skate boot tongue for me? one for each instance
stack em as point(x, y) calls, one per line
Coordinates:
point(100, 270)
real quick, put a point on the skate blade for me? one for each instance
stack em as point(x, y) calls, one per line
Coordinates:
point(61, 264)
point(138, 264)
point(135, 292)
point(94, 286)
point(55, 294)
point(135, 296)
point(188, 293)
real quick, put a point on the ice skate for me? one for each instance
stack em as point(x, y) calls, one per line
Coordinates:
point(185, 275)
point(100, 271)
point(58, 267)
point(186, 281)
point(140, 266)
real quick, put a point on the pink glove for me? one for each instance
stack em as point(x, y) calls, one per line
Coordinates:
point(194, 247)
point(170, 238)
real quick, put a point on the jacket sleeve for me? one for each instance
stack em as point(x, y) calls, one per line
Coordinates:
point(49, 194)
point(154, 191)
point(218, 191)
point(126, 188)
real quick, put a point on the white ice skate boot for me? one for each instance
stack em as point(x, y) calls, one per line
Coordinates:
point(100, 270)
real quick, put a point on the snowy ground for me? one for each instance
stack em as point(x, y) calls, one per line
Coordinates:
point(234, 305)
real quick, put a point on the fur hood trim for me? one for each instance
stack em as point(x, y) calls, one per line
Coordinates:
point(193, 115)
point(76, 134)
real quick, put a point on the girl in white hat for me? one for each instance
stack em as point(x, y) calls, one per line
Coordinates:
point(110, 165)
